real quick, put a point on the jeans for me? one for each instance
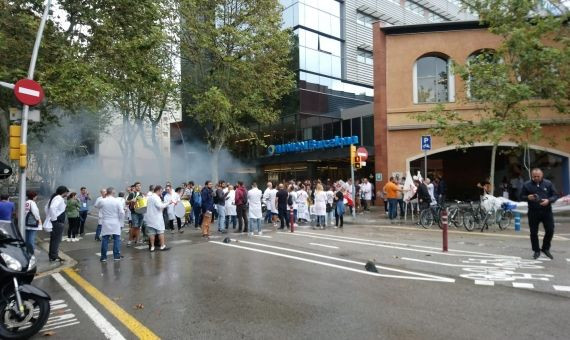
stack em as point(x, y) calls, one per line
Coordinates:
point(31, 239)
point(401, 205)
point(55, 240)
point(74, 225)
point(137, 219)
point(98, 232)
point(242, 217)
point(197, 211)
point(83, 217)
point(253, 222)
point(330, 217)
point(534, 219)
point(233, 219)
point(268, 216)
point(116, 246)
point(392, 205)
point(284, 217)
point(221, 216)
point(319, 219)
point(339, 217)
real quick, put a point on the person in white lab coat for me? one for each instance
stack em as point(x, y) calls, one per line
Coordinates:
point(154, 218)
point(320, 206)
point(174, 196)
point(112, 219)
point(54, 221)
point(254, 197)
point(230, 206)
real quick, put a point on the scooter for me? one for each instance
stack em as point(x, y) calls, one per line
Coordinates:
point(24, 309)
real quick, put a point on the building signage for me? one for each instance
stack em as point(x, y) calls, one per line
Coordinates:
point(310, 145)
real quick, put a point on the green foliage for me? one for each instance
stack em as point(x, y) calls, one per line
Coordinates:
point(236, 56)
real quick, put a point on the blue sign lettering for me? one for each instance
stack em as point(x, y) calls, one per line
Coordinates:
point(426, 143)
point(310, 145)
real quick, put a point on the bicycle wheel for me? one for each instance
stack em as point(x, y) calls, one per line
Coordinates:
point(505, 220)
point(426, 218)
point(469, 221)
point(457, 218)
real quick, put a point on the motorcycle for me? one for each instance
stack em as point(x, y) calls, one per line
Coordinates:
point(24, 309)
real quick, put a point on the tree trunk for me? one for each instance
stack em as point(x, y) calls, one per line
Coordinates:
point(492, 172)
point(215, 163)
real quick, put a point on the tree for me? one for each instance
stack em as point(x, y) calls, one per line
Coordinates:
point(236, 57)
point(531, 67)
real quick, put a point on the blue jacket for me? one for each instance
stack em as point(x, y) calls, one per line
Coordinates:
point(544, 190)
point(207, 199)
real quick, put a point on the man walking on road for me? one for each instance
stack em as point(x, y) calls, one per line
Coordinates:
point(540, 194)
point(241, 206)
point(113, 215)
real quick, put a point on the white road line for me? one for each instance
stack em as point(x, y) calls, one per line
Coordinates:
point(324, 245)
point(562, 288)
point(264, 236)
point(464, 265)
point(379, 244)
point(523, 285)
point(484, 283)
point(108, 330)
point(61, 326)
point(568, 260)
point(419, 276)
point(180, 241)
point(87, 234)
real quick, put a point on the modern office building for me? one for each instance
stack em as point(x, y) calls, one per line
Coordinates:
point(335, 88)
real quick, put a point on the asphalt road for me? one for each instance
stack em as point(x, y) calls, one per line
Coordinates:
point(312, 284)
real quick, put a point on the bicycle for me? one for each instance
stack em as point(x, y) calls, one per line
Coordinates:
point(455, 214)
point(430, 215)
point(505, 216)
point(474, 216)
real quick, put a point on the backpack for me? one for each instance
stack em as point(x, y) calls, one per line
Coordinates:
point(290, 200)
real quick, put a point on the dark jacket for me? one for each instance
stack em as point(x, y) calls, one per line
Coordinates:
point(422, 194)
point(544, 190)
point(207, 199)
point(241, 196)
point(221, 197)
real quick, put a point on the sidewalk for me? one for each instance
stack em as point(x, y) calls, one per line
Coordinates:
point(44, 266)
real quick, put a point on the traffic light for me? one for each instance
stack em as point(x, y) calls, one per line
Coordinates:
point(18, 152)
point(15, 133)
point(357, 164)
point(352, 154)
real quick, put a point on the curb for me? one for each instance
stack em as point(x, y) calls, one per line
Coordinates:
point(69, 262)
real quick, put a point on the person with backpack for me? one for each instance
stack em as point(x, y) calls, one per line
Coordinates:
point(241, 207)
point(33, 220)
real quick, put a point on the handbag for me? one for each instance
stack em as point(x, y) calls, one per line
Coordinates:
point(31, 220)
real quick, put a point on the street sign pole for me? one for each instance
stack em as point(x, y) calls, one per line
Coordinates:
point(425, 163)
point(25, 112)
point(353, 189)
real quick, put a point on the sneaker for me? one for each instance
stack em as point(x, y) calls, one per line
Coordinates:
point(151, 249)
point(119, 259)
point(181, 231)
point(75, 239)
point(164, 248)
point(172, 231)
point(260, 233)
point(322, 228)
point(295, 225)
point(129, 244)
point(250, 233)
point(103, 260)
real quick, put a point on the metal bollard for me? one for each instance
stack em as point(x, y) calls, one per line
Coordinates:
point(444, 227)
point(292, 219)
point(517, 221)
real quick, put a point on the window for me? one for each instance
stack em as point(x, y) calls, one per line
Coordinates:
point(368, 130)
point(364, 56)
point(346, 129)
point(364, 19)
point(487, 62)
point(356, 124)
point(415, 8)
point(432, 80)
point(433, 17)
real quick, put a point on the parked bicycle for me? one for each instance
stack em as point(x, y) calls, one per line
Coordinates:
point(431, 215)
point(455, 214)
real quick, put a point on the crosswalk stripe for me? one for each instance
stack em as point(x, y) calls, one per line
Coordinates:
point(484, 283)
point(562, 288)
point(523, 285)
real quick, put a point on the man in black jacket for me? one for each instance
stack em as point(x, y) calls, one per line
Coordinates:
point(540, 194)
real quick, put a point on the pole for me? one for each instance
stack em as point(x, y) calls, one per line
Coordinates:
point(353, 189)
point(292, 219)
point(517, 221)
point(25, 112)
point(425, 163)
point(444, 227)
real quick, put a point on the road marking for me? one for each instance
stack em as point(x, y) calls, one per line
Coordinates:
point(419, 277)
point(562, 288)
point(125, 318)
point(401, 246)
point(568, 260)
point(264, 236)
point(141, 247)
point(179, 242)
point(108, 330)
point(60, 320)
point(523, 285)
point(60, 326)
point(484, 283)
point(323, 245)
point(500, 261)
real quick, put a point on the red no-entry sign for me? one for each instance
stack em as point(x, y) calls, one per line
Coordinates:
point(363, 153)
point(28, 92)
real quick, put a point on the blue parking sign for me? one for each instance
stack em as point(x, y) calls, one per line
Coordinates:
point(426, 143)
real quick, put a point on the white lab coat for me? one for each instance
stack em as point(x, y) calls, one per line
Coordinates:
point(302, 206)
point(154, 209)
point(254, 199)
point(366, 189)
point(269, 198)
point(231, 203)
point(33, 207)
point(112, 215)
point(174, 197)
point(56, 208)
point(320, 203)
